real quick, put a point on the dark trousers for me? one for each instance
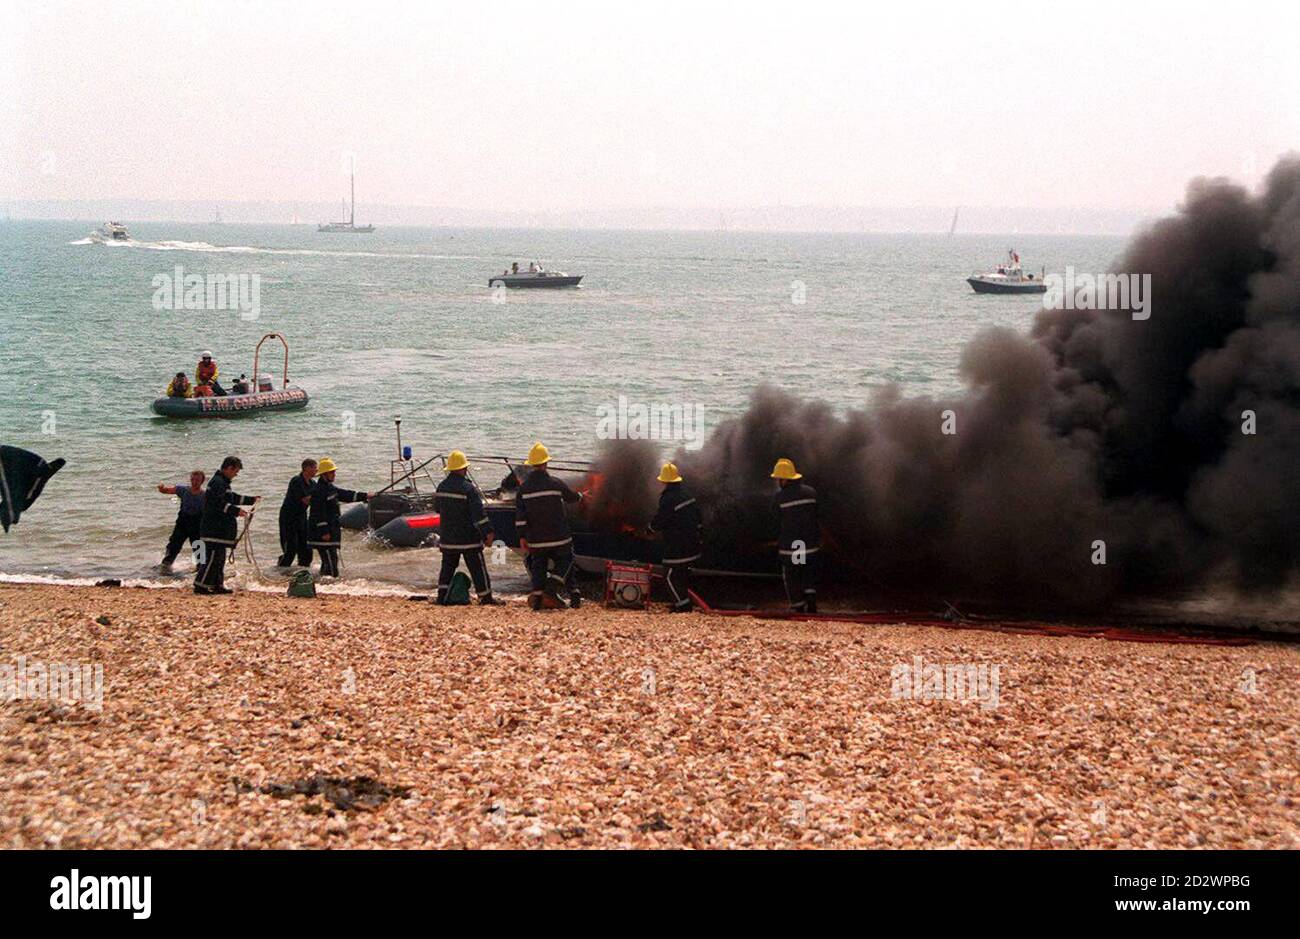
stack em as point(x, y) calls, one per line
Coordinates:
point(185, 533)
point(678, 579)
point(552, 570)
point(800, 582)
point(474, 563)
point(212, 572)
point(293, 542)
point(329, 559)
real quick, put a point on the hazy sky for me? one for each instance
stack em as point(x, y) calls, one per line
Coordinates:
point(559, 105)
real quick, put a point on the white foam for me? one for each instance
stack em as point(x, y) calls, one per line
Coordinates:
point(207, 248)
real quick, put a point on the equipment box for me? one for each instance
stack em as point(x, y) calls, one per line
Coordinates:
point(627, 586)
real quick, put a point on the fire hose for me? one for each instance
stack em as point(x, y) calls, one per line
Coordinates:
point(248, 544)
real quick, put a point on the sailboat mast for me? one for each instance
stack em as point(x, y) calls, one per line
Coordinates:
point(352, 214)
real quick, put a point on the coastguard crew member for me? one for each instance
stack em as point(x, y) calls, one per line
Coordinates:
point(543, 530)
point(323, 517)
point(679, 521)
point(800, 536)
point(219, 529)
point(186, 529)
point(205, 373)
point(293, 518)
point(463, 530)
point(180, 387)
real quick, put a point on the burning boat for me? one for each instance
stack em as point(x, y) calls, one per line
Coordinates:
point(402, 515)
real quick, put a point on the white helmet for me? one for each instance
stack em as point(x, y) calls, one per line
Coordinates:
point(205, 354)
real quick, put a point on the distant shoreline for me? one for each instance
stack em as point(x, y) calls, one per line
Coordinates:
point(783, 220)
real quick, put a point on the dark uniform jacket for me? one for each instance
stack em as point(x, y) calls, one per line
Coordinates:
point(680, 521)
point(539, 510)
point(323, 516)
point(220, 520)
point(23, 475)
point(294, 508)
point(462, 520)
point(797, 506)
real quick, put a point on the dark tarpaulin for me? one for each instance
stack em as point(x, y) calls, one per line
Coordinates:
point(23, 475)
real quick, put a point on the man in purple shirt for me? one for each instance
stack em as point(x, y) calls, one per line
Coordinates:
point(186, 529)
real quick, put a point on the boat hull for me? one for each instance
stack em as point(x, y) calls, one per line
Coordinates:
point(419, 530)
point(591, 549)
point(990, 286)
point(524, 283)
point(262, 402)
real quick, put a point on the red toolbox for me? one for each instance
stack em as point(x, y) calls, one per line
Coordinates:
point(627, 586)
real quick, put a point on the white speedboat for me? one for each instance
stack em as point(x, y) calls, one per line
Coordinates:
point(111, 231)
point(1009, 277)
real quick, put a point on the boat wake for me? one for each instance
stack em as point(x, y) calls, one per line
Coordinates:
point(207, 248)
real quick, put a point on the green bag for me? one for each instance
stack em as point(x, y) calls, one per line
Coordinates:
point(302, 584)
point(458, 593)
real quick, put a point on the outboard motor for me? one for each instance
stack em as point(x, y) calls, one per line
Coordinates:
point(387, 506)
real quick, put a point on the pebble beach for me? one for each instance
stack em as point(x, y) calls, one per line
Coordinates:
point(258, 721)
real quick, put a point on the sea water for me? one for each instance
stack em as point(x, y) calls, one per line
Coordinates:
point(403, 322)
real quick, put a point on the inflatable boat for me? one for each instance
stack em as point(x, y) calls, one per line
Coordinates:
point(290, 398)
point(266, 399)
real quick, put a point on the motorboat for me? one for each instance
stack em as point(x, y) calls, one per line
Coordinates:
point(1008, 277)
point(111, 231)
point(535, 276)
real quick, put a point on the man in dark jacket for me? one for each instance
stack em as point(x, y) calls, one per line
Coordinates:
point(219, 527)
point(543, 529)
point(185, 533)
point(463, 530)
point(800, 536)
point(679, 521)
point(293, 518)
point(323, 517)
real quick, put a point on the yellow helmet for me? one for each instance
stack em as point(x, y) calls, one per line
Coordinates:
point(784, 469)
point(326, 466)
point(538, 456)
point(669, 474)
point(456, 461)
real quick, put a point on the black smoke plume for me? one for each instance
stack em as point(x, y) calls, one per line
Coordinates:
point(1094, 427)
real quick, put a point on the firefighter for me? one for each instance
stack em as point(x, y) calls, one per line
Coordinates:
point(800, 536)
point(679, 521)
point(188, 517)
point(543, 530)
point(293, 518)
point(218, 527)
point(463, 531)
point(323, 517)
